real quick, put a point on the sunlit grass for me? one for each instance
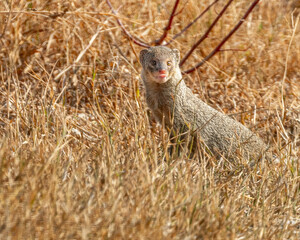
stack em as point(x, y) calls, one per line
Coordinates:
point(81, 156)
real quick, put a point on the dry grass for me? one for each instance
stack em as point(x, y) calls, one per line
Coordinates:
point(79, 155)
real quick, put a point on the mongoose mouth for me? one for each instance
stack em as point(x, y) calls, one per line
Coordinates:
point(162, 78)
point(163, 75)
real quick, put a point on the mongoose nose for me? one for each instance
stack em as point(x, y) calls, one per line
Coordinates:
point(163, 71)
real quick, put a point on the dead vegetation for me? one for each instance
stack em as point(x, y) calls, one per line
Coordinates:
point(80, 157)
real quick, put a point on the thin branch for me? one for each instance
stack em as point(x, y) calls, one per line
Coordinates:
point(191, 23)
point(132, 38)
point(181, 10)
point(225, 39)
point(205, 35)
point(235, 49)
point(168, 27)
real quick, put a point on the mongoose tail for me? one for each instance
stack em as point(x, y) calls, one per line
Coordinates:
point(173, 102)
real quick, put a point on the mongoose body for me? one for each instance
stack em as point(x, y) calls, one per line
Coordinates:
point(173, 103)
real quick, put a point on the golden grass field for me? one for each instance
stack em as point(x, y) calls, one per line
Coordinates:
point(80, 154)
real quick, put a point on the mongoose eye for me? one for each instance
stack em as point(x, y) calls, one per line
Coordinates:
point(153, 62)
point(169, 63)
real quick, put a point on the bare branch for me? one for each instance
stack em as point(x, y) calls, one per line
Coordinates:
point(181, 10)
point(225, 39)
point(168, 27)
point(205, 34)
point(234, 49)
point(132, 38)
point(191, 23)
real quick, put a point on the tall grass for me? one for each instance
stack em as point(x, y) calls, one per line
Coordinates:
point(81, 156)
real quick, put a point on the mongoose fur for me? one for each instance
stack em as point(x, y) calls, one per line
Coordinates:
point(173, 103)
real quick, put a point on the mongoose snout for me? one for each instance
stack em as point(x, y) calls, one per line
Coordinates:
point(174, 104)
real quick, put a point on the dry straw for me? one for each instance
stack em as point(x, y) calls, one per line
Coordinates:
point(80, 155)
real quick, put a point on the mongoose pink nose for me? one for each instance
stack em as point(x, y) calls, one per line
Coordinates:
point(162, 73)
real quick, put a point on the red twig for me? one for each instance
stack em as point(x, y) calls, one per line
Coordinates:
point(181, 10)
point(132, 38)
point(205, 34)
point(168, 27)
point(191, 23)
point(217, 49)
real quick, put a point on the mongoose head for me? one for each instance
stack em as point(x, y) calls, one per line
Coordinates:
point(160, 63)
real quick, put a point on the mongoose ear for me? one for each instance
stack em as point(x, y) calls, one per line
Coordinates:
point(177, 55)
point(143, 55)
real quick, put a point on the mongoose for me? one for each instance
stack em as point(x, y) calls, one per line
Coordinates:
point(174, 104)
